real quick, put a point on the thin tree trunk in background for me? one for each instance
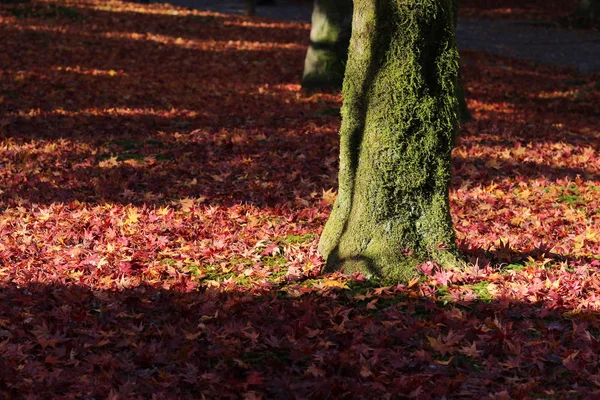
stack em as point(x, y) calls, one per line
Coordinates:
point(329, 38)
point(588, 9)
point(250, 7)
point(399, 122)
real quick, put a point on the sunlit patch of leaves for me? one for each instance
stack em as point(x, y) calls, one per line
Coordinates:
point(163, 184)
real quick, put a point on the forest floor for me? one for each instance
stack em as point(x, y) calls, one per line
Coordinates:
point(163, 183)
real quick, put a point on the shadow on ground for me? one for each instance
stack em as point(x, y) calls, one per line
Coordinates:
point(210, 107)
point(69, 340)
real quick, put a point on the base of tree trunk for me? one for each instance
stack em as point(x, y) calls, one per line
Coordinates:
point(250, 7)
point(588, 9)
point(323, 68)
point(399, 123)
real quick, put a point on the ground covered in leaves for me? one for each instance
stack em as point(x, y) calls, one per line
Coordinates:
point(163, 183)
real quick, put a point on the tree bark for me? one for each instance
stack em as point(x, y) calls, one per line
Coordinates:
point(250, 7)
point(399, 123)
point(589, 9)
point(329, 38)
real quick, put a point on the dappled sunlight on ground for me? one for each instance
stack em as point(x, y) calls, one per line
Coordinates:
point(164, 180)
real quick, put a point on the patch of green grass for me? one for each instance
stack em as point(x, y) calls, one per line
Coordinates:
point(360, 287)
point(273, 220)
point(154, 142)
point(297, 239)
point(211, 273)
point(480, 289)
point(513, 267)
point(571, 196)
point(218, 272)
point(129, 156)
point(571, 199)
point(277, 274)
point(443, 293)
point(129, 150)
point(274, 261)
point(126, 144)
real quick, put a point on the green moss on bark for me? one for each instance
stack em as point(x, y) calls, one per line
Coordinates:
point(329, 38)
point(399, 125)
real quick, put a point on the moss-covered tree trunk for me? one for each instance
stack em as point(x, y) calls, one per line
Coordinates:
point(329, 37)
point(399, 122)
point(589, 9)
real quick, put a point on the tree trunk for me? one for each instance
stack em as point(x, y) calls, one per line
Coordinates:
point(250, 7)
point(589, 9)
point(329, 37)
point(399, 122)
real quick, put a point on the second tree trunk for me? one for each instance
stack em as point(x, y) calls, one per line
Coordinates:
point(329, 37)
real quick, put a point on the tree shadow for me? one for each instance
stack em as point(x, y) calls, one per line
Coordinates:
point(83, 78)
point(159, 333)
point(272, 166)
point(129, 19)
point(185, 121)
point(70, 340)
point(481, 170)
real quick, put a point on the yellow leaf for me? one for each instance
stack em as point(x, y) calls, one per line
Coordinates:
point(329, 196)
point(186, 204)
point(440, 362)
point(580, 242)
point(365, 371)
point(519, 151)
point(493, 163)
point(111, 162)
point(330, 283)
point(132, 216)
point(413, 282)
point(163, 211)
point(193, 336)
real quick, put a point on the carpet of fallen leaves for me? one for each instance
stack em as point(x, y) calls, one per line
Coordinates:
point(163, 183)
